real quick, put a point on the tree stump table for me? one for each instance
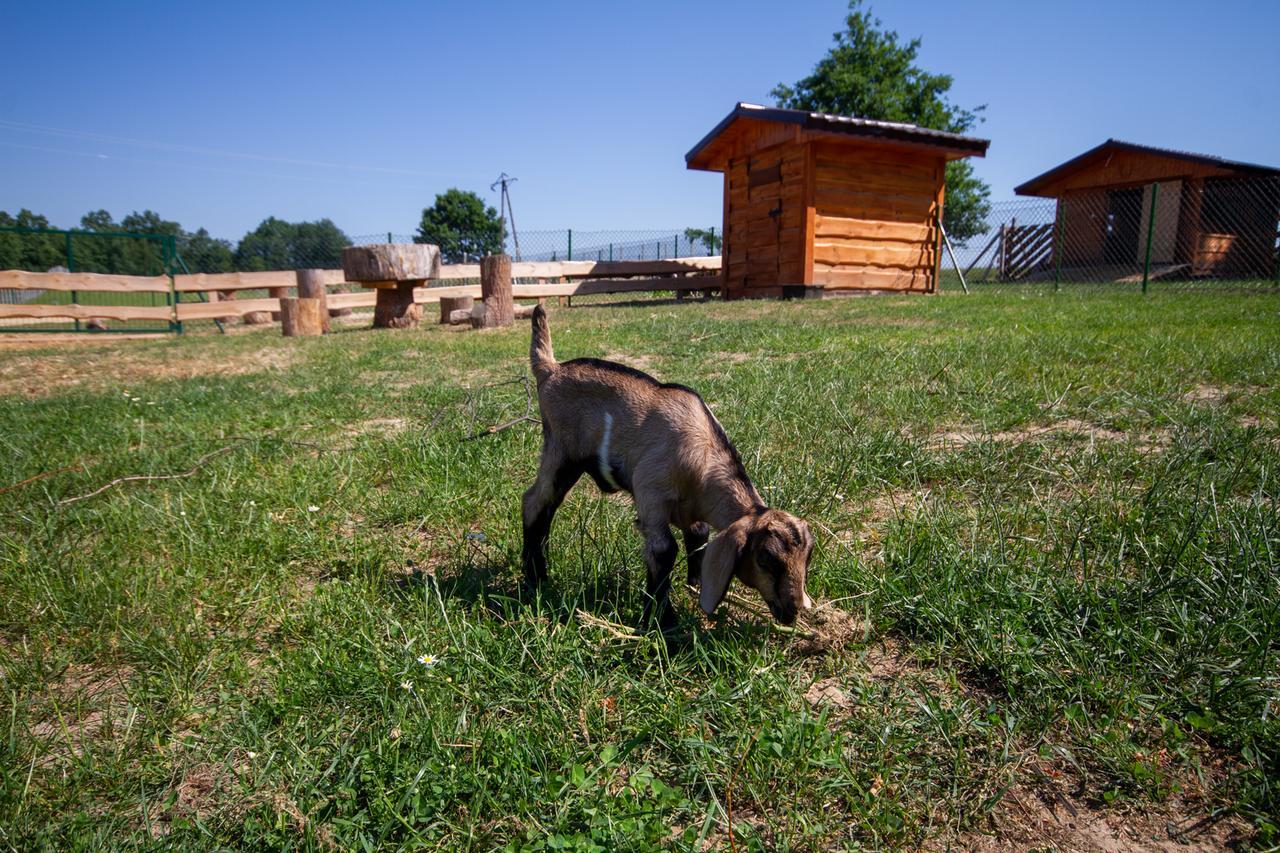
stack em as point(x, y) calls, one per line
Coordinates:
point(394, 270)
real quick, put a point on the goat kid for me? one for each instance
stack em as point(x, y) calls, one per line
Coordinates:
point(660, 442)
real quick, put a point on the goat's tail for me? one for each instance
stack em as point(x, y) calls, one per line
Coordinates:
point(541, 357)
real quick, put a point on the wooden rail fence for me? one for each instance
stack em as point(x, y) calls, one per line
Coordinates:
point(208, 296)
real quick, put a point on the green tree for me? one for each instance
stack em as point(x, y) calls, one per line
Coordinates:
point(98, 254)
point(461, 225)
point(279, 245)
point(870, 73)
point(33, 252)
point(146, 257)
point(706, 236)
point(204, 253)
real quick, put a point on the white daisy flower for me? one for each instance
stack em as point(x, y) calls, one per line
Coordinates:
point(428, 660)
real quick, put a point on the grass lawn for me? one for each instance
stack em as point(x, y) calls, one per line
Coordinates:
point(1048, 570)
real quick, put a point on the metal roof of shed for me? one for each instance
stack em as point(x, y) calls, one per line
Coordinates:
point(892, 131)
point(1033, 186)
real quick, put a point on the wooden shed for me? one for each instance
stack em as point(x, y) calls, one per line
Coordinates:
point(829, 201)
point(1211, 216)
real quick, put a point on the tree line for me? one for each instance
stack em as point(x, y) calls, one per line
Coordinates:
point(274, 245)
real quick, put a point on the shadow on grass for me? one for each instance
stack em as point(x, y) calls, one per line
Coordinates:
point(496, 586)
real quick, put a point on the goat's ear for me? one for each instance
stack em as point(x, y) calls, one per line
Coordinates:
point(718, 564)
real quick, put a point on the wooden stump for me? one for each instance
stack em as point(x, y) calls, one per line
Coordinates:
point(340, 312)
point(258, 318)
point(301, 317)
point(449, 304)
point(277, 293)
point(495, 289)
point(395, 308)
point(311, 286)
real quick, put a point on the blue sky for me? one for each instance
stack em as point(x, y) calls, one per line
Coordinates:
point(222, 114)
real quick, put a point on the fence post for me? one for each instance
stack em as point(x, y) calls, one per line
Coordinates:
point(675, 242)
point(1151, 230)
point(610, 251)
point(71, 267)
point(170, 268)
point(389, 240)
point(711, 244)
point(569, 255)
point(1057, 245)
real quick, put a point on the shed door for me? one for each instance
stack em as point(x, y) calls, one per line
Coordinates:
point(764, 219)
point(1124, 225)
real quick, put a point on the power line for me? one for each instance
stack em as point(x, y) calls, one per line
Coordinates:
point(506, 210)
point(207, 152)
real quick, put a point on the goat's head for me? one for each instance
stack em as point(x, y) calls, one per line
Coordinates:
point(768, 551)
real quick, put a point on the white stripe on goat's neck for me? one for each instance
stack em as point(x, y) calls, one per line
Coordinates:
point(602, 455)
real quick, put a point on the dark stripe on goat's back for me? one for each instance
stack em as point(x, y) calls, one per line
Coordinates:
point(614, 367)
point(725, 444)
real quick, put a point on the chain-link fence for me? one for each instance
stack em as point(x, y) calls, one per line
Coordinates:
point(1219, 233)
point(568, 244)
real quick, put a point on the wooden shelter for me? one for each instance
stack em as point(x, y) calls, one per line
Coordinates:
point(1211, 216)
point(828, 201)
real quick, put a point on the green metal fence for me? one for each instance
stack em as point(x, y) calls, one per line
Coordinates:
point(119, 253)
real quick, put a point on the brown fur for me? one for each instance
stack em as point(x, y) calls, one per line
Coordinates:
point(666, 448)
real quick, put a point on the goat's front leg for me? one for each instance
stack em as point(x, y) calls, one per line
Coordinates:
point(555, 478)
point(695, 543)
point(660, 553)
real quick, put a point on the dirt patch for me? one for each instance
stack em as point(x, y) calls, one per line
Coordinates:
point(829, 630)
point(1069, 428)
point(35, 376)
point(828, 693)
point(1206, 393)
point(378, 426)
point(637, 360)
point(894, 504)
point(731, 357)
point(85, 704)
point(1046, 817)
point(206, 790)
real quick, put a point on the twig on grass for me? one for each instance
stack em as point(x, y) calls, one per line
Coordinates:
point(40, 476)
point(621, 632)
point(500, 427)
point(136, 478)
point(1050, 407)
point(527, 417)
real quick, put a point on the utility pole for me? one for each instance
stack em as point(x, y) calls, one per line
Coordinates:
point(507, 212)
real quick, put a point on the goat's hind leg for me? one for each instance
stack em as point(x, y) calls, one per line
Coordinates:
point(556, 477)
